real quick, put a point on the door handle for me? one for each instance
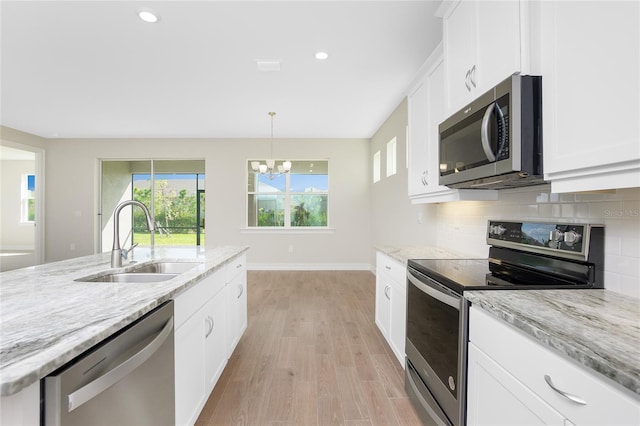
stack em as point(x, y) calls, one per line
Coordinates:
point(567, 395)
point(466, 80)
point(386, 291)
point(241, 291)
point(210, 323)
point(102, 383)
point(484, 133)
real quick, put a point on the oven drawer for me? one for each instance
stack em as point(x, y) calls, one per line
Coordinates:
point(529, 362)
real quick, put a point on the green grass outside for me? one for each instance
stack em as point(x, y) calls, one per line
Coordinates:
point(173, 240)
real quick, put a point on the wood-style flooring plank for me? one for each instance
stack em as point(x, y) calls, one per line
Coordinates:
point(311, 355)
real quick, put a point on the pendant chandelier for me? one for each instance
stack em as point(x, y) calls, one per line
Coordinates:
point(269, 167)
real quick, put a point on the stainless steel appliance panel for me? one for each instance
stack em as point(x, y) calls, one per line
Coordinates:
point(126, 380)
point(436, 333)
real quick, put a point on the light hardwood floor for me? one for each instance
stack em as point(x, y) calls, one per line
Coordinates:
point(311, 355)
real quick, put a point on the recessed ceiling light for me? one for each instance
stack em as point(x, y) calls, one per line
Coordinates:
point(322, 56)
point(148, 15)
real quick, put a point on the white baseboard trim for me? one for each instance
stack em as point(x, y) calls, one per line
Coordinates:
point(309, 267)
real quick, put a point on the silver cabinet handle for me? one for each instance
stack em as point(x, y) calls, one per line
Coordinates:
point(210, 323)
point(102, 383)
point(567, 395)
point(387, 267)
point(239, 265)
point(386, 291)
point(466, 81)
point(241, 291)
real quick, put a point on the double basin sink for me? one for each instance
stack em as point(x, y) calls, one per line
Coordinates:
point(148, 273)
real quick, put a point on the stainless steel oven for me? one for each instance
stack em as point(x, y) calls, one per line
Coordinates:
point(523, 255)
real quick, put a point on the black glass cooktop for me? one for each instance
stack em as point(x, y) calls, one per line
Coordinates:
point(507, 271)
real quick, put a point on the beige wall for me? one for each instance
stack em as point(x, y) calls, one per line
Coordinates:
point(72, 190)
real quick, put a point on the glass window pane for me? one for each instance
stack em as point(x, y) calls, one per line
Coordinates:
point(309, 183)
point(266, 210)
point(309, 210)
point(265, 184)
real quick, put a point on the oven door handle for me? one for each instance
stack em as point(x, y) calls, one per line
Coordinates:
point(437, 294)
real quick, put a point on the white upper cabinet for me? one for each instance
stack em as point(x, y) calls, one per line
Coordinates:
point(484, 43)
point(590, 54)
point(426, 106)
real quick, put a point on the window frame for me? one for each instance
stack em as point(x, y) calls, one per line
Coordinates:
point(288, 195)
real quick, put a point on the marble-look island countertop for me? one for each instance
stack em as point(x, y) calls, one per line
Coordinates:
point(404, 253)
point(47, 318)
point(599, 329)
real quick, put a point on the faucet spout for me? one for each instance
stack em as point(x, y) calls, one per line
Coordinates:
point(116, 251)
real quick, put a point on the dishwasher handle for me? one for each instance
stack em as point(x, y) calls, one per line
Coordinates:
point(102, 383)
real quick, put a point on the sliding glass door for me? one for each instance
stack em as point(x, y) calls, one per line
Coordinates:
point(172, 190)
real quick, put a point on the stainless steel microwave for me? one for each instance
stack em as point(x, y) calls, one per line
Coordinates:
point(495, 142)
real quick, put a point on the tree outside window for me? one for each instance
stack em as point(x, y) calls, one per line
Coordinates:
point(293, 200)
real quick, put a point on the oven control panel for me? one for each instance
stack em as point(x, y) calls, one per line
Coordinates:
point(540, 236)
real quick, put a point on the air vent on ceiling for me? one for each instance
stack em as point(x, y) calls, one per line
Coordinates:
point(268, 65)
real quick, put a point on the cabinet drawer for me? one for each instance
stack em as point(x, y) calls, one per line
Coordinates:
point(395, 270)
point(529, 361)
point(235, 266)
point(189, 301)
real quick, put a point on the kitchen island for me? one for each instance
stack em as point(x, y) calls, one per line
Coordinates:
point(47, 318)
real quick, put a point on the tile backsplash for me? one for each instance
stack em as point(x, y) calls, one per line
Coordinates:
point(461, 226)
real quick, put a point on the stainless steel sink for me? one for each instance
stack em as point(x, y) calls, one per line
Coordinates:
point(130, 277)
point(165, 267)
point(149, 273)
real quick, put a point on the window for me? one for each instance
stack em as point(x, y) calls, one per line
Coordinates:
point(28, 199)
point(292, 200)
point(376, 167)
point(391, 157)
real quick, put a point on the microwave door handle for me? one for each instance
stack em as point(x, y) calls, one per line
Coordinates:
point(503, 126)
point(484, 133)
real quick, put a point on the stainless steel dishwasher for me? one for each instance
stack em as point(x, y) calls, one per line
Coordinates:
point(126, 380)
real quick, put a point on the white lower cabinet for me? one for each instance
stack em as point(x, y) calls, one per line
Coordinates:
point(391, 303)
point(206, 331)
point(508, 374)
point(22, 408)
point(237, 302)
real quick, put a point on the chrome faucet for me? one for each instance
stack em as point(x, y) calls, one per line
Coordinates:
point(116, 251)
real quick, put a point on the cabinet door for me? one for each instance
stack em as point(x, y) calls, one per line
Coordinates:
point(383, 302)
point(498, 40)
point(495, 397)
point(418, 139)
point(460, 52)
point(190, 369)
point(215, 337)
point(237, 302)
point(591, 94)
point(398, 320)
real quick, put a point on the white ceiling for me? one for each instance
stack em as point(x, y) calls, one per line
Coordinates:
point(93, 69)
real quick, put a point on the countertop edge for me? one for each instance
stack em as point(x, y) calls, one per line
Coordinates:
point(588, 359)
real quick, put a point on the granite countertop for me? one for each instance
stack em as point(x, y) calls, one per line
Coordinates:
point(47, 318)
point(404, 253)
point(599, 329)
